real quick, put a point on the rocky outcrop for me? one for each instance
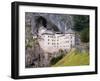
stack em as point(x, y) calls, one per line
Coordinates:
point(34, 56)
point(56, 22)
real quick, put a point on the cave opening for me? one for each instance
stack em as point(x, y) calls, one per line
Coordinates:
point(41, 21)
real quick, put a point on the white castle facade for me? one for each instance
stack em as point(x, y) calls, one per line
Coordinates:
point(54, 41)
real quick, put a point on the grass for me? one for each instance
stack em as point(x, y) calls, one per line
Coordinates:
point(74, 58)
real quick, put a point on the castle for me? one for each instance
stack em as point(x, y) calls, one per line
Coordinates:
point(51, 41)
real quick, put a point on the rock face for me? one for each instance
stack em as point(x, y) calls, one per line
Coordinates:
point(34, 55)
point(57, 22)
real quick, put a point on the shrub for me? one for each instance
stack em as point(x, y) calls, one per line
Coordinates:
point(54, 60)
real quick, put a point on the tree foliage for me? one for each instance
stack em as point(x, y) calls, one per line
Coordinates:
point(81, 25)
point(54, 60)
point(80, 22)
point(85, 35)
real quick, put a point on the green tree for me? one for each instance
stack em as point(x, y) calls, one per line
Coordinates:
point(54, 60)
point(80, 22)
point(84, 35)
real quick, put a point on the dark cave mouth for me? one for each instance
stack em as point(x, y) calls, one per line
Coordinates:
point(41, 21)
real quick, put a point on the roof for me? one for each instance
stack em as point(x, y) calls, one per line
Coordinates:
point(49, 32)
